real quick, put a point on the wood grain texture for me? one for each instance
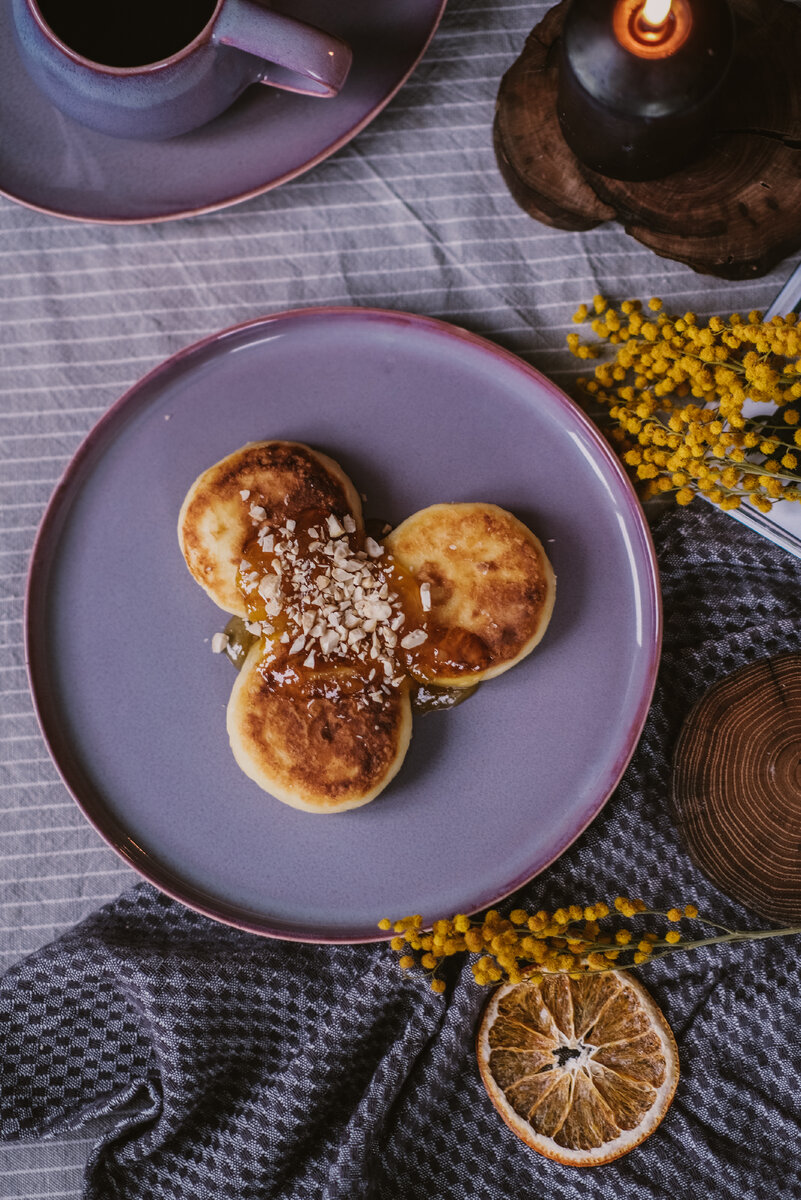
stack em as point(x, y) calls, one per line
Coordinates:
point(737, 786)
point(735, 212)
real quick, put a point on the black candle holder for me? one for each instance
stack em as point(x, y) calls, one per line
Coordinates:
point(635, 108)
point(717, 176)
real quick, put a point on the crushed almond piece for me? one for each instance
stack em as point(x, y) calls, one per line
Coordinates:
point(413, 639)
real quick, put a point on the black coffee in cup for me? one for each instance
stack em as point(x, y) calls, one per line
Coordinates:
point(126, 33)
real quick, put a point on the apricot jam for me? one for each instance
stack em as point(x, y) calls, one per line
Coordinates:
point(338, 615)
point(424, 697)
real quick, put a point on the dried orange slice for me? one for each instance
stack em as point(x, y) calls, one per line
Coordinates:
point(581, 1069)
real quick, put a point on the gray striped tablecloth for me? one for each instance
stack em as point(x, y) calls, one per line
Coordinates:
point(412, 215)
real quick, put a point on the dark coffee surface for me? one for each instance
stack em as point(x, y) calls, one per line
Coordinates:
point(126, 34)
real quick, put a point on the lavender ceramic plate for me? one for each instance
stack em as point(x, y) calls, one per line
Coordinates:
point(52, 164)
point(132, 701)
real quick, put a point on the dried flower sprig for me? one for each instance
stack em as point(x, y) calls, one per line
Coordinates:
point(674, 392)
point(568, 941)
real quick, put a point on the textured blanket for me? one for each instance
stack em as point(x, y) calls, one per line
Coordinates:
point(214, 1064)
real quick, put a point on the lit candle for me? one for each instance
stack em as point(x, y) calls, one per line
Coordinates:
point(640, 82)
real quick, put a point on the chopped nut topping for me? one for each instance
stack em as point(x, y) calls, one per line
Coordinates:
point(219, 643)
point(269, 587)
point(413, 639)
point(329, 640)
point(336, 602)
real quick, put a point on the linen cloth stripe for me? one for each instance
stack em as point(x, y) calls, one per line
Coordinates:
point(411, 215)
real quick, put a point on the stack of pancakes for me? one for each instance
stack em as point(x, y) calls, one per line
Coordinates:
point(487, 589)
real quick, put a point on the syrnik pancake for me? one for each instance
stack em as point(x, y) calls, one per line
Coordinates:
point(334, 739)
point(489, 585)
point(320, 715)
point(282, 479)
point(324, 751)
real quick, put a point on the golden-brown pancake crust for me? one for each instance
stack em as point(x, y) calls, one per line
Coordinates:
point(323, 755)
point(488, 575)
point(283, 478)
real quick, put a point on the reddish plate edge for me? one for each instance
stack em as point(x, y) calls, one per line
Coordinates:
point(185, 893)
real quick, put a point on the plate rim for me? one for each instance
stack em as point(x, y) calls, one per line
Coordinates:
point(251, 194)
point(150, 870)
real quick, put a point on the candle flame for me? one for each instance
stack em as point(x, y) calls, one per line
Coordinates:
point(652, 28)
point(656, 12)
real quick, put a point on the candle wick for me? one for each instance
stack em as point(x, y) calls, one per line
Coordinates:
point(644, 30)
point(650, 31)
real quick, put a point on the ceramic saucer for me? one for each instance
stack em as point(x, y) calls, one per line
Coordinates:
point(50, 163)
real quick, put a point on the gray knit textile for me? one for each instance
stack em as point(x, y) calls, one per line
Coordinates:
point(213, 1064)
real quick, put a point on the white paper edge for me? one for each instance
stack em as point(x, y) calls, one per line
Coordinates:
point(782, 525)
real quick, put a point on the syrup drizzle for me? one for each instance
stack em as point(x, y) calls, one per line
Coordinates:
point(302, 677)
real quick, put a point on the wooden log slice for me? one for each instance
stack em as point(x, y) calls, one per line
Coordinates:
point(540, 170)
point(736, 786)
point(734, 213)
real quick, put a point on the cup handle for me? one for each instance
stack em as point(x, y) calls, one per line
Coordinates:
point(297, 57)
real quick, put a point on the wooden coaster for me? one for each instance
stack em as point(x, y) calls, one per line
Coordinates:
point(737, 786)
point(734, 213)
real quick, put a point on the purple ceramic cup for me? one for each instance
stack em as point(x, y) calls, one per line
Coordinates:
point(241, 43)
